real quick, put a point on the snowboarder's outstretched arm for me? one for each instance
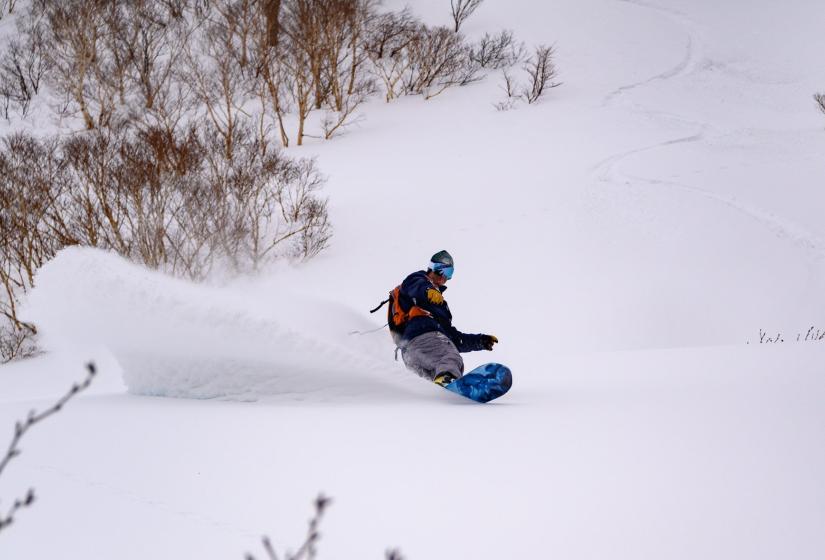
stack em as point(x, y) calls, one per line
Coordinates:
point(430, 298)
point(466, 342)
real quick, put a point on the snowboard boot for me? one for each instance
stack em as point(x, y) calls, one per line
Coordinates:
point(444, 379)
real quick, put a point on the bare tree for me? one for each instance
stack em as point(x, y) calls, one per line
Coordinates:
point(23, 65)
point(75, 39)
point(271, 12)
point(29, 175)
point(542, 73)
point(462, 9)
point(321, 46)
point(820, 101)
point(7, 96)
point(299, 58)
point(344, 55)
point(510, 88)
point(541, 76)
point(439, 59)
point(145, 40)
point(497, 51)
point(265, 205)
point(273, 85)
point(219, 68)
point(21, 428)
point(388, 39)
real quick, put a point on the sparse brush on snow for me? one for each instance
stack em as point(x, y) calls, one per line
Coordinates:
point(497, 51)
point(541, 74)
point(813, 334)
point(820, 101)
point(308, 550)
point(20, 429)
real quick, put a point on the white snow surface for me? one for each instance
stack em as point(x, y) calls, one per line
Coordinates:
point(626, 238)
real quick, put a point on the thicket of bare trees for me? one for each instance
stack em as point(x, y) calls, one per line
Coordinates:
point(274, 62)
point(170, 200)
point(820, 100)
point(178, 108)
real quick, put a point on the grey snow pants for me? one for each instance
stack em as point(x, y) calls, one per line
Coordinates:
point(432, 353)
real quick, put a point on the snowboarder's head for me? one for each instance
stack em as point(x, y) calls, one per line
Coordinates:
point(441, 267)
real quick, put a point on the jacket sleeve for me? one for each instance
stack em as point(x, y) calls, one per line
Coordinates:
point(416, 288)
point(464, 342)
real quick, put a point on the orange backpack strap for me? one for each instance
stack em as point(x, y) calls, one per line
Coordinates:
point(397, 315)
point(418, 312)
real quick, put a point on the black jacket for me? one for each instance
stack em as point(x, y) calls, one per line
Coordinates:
point(414, 290)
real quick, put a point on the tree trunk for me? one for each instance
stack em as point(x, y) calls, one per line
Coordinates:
point(272, 9)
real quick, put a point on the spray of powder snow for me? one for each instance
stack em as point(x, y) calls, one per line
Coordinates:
point(175, 338)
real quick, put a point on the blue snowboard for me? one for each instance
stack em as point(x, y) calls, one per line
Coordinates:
point(484, 383)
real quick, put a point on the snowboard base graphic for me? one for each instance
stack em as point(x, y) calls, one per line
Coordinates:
point(484, 383)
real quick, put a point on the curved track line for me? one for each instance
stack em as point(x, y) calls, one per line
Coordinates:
point(604, 170)
point(799, 236)
point(680, 68)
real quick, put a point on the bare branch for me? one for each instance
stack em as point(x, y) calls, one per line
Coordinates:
point(542, 73)
point(307, 549)
point(497, 51)
point(462, 9)
point(20, 430)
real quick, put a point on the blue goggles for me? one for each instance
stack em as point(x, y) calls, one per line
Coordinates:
point(442, 269)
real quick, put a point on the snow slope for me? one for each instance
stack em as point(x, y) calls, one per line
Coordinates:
point(624, 239)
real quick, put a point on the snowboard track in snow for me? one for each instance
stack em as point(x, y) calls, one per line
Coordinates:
point(606, 170)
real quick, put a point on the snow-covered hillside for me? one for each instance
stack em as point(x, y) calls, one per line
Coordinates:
point(625, 239)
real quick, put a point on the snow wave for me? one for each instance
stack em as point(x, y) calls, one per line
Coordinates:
point(175, 338)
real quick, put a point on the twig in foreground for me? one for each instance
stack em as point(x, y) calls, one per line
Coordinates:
point(20, 429)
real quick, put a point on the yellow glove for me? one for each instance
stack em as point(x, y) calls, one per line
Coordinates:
point(435, 296)
point(487, 341)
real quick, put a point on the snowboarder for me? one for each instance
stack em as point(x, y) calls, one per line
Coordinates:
point(429, 343)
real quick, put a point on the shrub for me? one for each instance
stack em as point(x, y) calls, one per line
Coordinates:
point(541, 76)
point(413, 59)
point(497, 51)
point(172, 201)
point(23, 65)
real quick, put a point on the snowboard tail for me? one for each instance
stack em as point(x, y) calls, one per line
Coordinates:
point(484, 383)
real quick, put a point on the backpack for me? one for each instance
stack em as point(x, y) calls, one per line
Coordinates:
point(397, 318)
